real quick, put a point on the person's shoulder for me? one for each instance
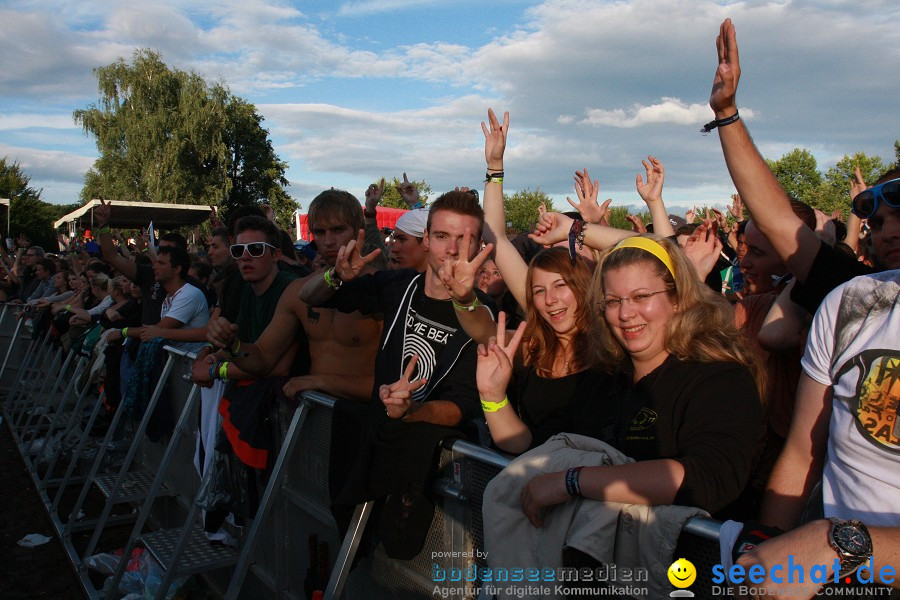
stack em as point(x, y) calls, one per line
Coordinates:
point(194, 292)
point(867, 286)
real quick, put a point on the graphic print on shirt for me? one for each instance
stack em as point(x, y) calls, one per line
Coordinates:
point(427, 338)
point(877, 397)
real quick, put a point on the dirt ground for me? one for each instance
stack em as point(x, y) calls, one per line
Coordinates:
point(40, 572)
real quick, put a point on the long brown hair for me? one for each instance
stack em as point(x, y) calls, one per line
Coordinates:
point(541, 342)
point(702, 329)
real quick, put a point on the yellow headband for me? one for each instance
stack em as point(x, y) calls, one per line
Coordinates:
point(648, 245)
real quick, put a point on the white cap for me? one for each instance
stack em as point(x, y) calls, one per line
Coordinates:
point(413, 222)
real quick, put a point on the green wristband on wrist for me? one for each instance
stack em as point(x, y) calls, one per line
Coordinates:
point(493, 406)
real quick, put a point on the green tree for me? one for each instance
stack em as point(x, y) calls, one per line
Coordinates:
point(836, 187)
point(166, 135)
point(27, 213)
point(798, 173)
point(391, 197)
point(522, 208)
point(617, 216)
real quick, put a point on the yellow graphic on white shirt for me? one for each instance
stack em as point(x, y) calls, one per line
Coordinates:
point(878, 399)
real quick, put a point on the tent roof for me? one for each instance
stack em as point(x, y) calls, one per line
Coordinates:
point(139, 214)
point(4, 201)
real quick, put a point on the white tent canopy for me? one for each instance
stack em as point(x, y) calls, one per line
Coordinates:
point(137, 215)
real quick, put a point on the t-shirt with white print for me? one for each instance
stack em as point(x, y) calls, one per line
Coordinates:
point(430, 325)
point(187, 306)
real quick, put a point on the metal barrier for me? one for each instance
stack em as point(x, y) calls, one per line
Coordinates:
point(277, 557)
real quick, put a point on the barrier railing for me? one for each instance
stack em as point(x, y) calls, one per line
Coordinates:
point(294, 543)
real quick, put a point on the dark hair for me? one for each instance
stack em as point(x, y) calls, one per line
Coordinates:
point(462, 203)
point(239, 213)
point(805, 212)
point(261, 224)
point(221, 232)
point(287, 245)
point(48, 265)
point(201, 267)
point(142, 259)
point(687, 229)
point(98, 266)
point(337, 204)
point(888, 175)
point(178, 257)
point(175, 238)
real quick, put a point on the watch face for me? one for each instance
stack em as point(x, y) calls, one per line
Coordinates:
point(851, 539)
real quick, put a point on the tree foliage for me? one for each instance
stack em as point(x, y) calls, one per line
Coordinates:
point(522, 208)
point(28, 213)
point(166, 135)
point(798, 174)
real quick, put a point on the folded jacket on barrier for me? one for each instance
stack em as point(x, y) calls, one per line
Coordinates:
point(627, 535)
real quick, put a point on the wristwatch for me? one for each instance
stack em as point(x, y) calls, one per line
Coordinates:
point(852, 542)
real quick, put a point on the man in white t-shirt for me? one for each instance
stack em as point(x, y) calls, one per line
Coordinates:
point(184, 308)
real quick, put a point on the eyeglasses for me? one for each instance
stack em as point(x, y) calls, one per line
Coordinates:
point(637, 300)
point(866, 203)
point(254, 249)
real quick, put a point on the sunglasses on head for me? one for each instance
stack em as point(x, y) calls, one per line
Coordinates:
point(254, 249)
point(866, 203)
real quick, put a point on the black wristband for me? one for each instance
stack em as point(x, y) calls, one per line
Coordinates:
point(720, 123)
point(573, 486)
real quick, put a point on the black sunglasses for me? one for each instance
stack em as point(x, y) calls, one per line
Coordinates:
point(254, 249)
point(866, 203)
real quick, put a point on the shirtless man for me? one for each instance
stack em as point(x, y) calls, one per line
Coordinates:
point(342, 346)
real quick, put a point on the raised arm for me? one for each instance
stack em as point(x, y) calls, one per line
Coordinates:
point(795, 243)
point(508, 260)
point(350, 263)
point(110, 256)
point(651, 193)
point(458, 276)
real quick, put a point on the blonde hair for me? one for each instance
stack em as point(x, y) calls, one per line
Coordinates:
point(702, 328)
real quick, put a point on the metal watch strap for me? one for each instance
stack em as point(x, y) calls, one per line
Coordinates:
point(850, 561)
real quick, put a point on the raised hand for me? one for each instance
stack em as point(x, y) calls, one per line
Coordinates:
point(857, 184)
point(495, 140)
point(102, 212)
point(737, 208)
point(397, 397)
point(459, 274)
point(637, 224)
point(720, 219)
point(691, 215)
point(221, 333)
point(495, 362)
point(587, 192)
point(214, 217)
point(552, 228)
point(373, 195)
point(22, 241)
point(728, 73)
point(825, 228)
point(703, 247)
point(651, 191)
point(407, 190)
point(350, 263)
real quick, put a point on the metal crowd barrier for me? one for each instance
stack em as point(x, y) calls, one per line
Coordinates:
point(294, 530)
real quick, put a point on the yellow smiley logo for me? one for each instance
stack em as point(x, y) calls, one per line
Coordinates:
point(682, 573)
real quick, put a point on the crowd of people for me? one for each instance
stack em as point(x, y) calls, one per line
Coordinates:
point(616, 366)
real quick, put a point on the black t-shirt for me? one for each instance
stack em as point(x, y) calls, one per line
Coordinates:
point(707, 416)
point(830, 269)
point(232, 291)
point(543, 403)
point(430, 325)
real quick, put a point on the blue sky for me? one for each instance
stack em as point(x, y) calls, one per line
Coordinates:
point(353, 90)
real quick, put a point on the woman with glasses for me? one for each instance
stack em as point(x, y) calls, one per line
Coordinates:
point(680, 415)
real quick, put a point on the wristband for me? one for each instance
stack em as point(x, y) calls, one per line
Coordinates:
point(369, 215)
point(68, 308)
point(493, 177)
point(104, 229)
point(234, 351)
point(466, 307)
point(573, 486)
point(493, 406)
point(720, 123)
point(213, 369)
point(223, 371)
point(124, 332)
point(332, 279)
point(417, 205)
point(576, 233)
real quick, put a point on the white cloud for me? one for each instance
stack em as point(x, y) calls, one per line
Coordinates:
point(36, 120)
point(668, 110)
point(370, 7)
